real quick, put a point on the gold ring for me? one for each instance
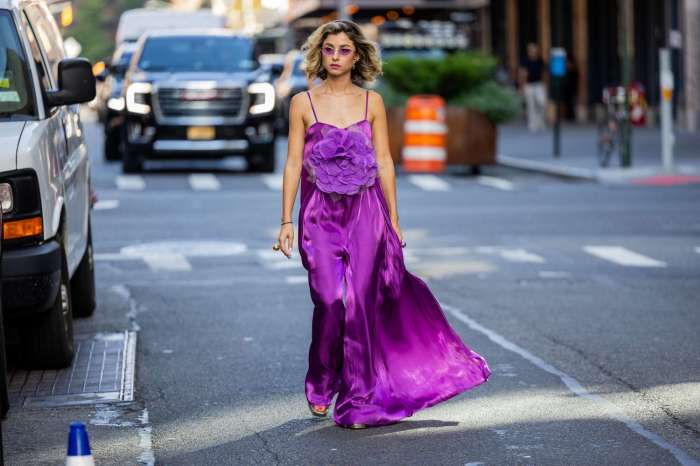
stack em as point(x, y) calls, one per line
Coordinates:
point(276, 247)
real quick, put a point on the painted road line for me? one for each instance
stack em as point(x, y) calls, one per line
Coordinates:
point(278, 261)
point(273, 181)
point(107, 204)
point(167, 262)
point(554, 274)
point(511, 254)
point(131, 182)
point(108, 256)
point(429, 182)
point(204, 182)
point(612, 410)
point(494, 182)
point(623, 256)
point(296, 279)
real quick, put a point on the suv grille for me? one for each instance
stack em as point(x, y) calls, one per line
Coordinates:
point(188, 102)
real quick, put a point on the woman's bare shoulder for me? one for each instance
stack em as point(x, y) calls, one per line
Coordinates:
point(375, 104)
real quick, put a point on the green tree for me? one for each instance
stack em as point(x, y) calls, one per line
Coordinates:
point(95, 23)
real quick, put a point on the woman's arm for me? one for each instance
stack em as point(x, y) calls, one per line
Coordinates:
point(292, 172)
point(387, 175)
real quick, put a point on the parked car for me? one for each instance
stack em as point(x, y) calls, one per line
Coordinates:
point(292, 81)
point(195, 95)
point(111, 109)
point(4, 394)
point(272, 64)
point(47, 263)
point(133, 23)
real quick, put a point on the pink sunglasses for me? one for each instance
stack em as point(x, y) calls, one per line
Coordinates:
point(329, 51)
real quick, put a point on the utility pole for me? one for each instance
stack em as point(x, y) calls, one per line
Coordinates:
point(667, 138)
point(557, 70)
point(625, 44)
point(343, 9)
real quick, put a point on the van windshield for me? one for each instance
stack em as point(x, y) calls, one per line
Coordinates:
point(197, 53)
point(16, 95)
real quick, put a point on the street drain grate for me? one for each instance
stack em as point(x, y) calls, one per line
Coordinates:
point(102, 372)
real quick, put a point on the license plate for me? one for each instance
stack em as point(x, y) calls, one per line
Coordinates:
point(200, 132)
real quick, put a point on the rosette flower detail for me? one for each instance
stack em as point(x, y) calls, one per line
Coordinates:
point(342, 161)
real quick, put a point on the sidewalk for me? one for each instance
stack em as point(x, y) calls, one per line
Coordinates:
point(518, 148)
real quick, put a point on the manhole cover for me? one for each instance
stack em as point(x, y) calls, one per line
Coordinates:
point(102, 372)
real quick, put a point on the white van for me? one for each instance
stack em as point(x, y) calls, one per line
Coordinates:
point(47, 268)
point(133, 23)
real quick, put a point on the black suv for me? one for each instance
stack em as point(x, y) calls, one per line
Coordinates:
point(197, 94)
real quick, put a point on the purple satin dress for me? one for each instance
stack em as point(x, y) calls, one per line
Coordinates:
point(379, 337)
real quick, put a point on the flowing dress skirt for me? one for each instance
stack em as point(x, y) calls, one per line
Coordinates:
point(380, 340)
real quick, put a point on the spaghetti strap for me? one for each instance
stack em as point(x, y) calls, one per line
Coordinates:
point(312, 105)
point(366, 102)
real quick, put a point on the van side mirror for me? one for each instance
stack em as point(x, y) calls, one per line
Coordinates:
point(76, 83)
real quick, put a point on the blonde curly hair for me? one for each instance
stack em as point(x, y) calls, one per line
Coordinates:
point(368, 65)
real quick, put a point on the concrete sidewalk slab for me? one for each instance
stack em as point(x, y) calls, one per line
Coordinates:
point(521, 149)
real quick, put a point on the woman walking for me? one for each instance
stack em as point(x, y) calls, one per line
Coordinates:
point(380, 340)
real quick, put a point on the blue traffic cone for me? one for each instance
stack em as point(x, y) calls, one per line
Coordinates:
point(79, 453)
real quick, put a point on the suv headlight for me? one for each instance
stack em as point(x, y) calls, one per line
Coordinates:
point(262, 98)
point(137, 96)
point(116, 103)
point(6, 197)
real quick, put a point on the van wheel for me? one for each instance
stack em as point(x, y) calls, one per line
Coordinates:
point(83, 282)
point(48, 343)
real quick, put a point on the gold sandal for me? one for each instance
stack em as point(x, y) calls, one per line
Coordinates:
point(318, 410)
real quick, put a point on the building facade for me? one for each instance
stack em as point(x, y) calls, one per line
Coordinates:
point(460, 22)
point(592, 32)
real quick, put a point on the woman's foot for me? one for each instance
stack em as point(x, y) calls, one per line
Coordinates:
point(318, 410)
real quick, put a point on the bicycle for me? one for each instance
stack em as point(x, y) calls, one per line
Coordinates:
point(609, 129)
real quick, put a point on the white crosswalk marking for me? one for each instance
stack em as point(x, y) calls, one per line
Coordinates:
point(273, 181)
point(296, 279)
point(278, 261)
point(167, 262)
point(697, 249)
point(623, 256)
point(511, 254)
point(107, 204)
point(494, 182)
point(204, 182)
point(429, 182)
point(131, 182)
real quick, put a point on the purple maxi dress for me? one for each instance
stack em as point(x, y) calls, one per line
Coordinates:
point(379, 337)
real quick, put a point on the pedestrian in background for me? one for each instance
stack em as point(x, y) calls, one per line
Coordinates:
point(533, 72)
point(380, 340)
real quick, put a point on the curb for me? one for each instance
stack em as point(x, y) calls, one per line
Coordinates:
point(548, 168)
point(615, 175)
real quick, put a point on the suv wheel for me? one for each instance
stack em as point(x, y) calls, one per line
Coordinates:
point(112, 144)
point(83, 282)
point(48, 342)
point(131, 161)
point(263, 160)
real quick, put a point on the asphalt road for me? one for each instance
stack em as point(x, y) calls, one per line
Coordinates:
point(584, 298)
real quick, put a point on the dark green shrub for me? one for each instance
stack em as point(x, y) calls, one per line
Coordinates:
point(465, 78)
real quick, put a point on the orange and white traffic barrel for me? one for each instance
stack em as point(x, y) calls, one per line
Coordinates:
point(424, 143)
